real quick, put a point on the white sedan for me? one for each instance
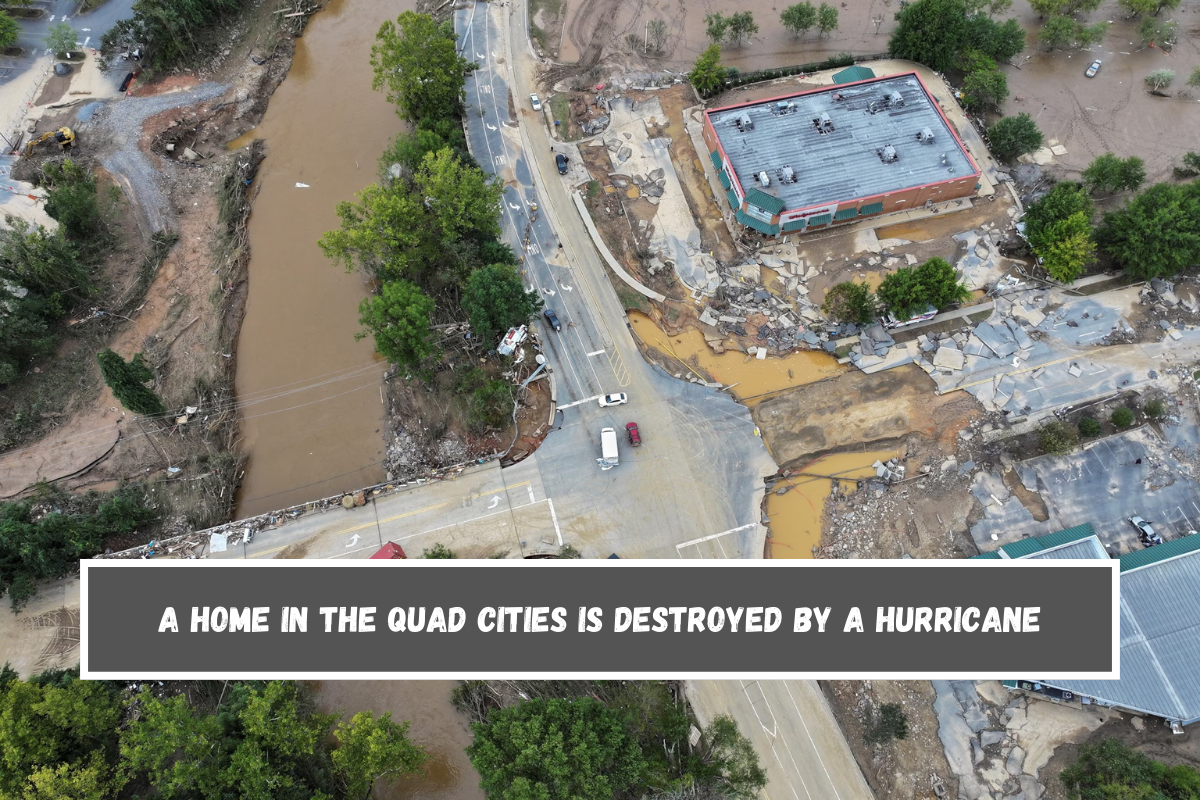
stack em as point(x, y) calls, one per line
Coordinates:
point(613, 399)
point(537, 104)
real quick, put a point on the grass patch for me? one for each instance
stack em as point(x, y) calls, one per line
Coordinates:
point(560, 107)
point(593, 190)
point(672, 314)
point(553, 9)
point(631, 300)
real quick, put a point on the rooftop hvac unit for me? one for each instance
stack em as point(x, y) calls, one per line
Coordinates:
point(887, 154)
point(787, 174)
point(744, 123)
point(785, 107)
point(826, 122)
point(764, 179)
point(925, 136)
point(896, 99)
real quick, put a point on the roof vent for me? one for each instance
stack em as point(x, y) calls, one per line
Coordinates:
point(785, 107)
point(823, 123)
point(887, 154)
point(744, 123)
point(925, 136)
point(896, 100)
point(764, 179)
point(787, 174)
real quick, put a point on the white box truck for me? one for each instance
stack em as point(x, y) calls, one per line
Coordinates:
point(608, 448)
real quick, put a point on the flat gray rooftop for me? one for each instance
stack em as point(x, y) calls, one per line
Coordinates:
point(843, 163)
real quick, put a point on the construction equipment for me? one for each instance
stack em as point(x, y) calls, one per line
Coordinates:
point(64, 137)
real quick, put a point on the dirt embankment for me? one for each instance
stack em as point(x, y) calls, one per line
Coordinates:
point(175, 286)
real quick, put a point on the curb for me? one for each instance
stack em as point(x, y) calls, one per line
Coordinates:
point(608, 256)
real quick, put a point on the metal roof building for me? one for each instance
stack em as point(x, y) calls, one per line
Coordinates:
point(831, 155)
point(1160, 628)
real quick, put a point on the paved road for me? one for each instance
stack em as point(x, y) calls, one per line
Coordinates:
point(794, 732)
point(89, 27)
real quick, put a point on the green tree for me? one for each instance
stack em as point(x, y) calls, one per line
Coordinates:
point(985, 90)
point(1122, 417)
point(730, 757)
point(555, 750)
point(490, 406)
point(999, 40)
point(1157, 233)
point(1047, 8)
point(1057, 438)
point(741, 25)
point(417, 61)
point(61, 39)
point(1059, 32)
point(1068, 248)
point(901, 292)
point(1012, 136)
point(1138, 7)
point(170, 32)
point(371, 748)
point(439, 550)
point(1109, 770)
point(399, 318)
point(10, 31)
point(799, 19)
point(1190, 167)
point(462, 200)
point(71, 199)
point(26, 329)
point(1160, 79)
point(708, 75)
point(940, 284)
point(128, 379)
point(1160, 32)
point(1194, 79)
point(42, 261)
point(827, 18)
point(496, 300)
point(379, 233)
point(890, 723)
point(931, 32)
point(1089, 427)
point(850, 302)
point(1155, 409)
point(1108, 174)
point(716, 27)
point(1061, 202)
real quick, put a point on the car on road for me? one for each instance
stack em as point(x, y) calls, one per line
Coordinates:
point(1145, 531)
point(537, 104)
point(552, 319)
point(635, 437)
point(613, 399)
point(561, 161)
point(1093, 69)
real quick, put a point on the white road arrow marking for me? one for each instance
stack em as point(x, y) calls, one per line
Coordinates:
point(53, 17)
point(353, 540)
point(511, 205)
point(495, 502)
point(491, 127)
point(480, 55)
point(549, 292)
point(564, 287)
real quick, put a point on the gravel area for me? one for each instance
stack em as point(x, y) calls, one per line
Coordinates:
point(122, 123)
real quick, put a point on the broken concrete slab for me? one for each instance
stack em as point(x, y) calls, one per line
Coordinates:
point(948, 358)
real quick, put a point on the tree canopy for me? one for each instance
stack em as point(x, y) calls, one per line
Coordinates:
point(169, 32)
point(399, 318)
point(939, 33)
point(1157, 233)
point(10, 30)
point(61, 39)
point(1012, 136)
point(1108, 770)
point(910, 290)
point(128, 379)
point(799, 19)
point(1108, 174)
point(850, 302)
point(496, 300)
point(417, 61)
point(707, 74)
point(1067, 248)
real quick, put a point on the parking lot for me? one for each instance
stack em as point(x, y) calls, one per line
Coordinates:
point(1105, 485)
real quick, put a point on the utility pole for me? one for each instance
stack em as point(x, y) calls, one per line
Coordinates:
point(646, 46)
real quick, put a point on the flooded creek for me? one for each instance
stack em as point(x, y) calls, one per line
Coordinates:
point(795, 517)
point(753, 377)
point(312, 411)
point(436, 726)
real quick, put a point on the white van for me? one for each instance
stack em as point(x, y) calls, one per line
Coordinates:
point(608, 448)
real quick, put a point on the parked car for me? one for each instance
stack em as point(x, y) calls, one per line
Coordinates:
point(537, 104)
point(1093, 69)
point(613, 399)
point(561, 161)
point(1145, 531)
point(552, 319)
point(635, 438)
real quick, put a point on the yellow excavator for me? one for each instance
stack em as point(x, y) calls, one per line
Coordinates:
point(63, 137)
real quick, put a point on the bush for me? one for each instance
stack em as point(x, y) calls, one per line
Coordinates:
point(850, 302)
point(1012, 136)
point(1109, 769)
point(439, 550)
point(1122, 417)
point(890, 723)
point(1089, 427)
point(1057, 438)
point(1155, 409)
point(127, 379)
point(491, 406)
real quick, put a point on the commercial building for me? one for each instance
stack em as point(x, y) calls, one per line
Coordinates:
point(1160, 626)
point(829, 156)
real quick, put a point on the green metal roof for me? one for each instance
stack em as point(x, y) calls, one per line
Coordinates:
point(845, 214)
point(1036, 544)
point(871, 208)
point(732, 197)
point(758, 225)
point(1160, 552)
point(716, 158)
point(820, 219)
point(852, 74)
point(794, 225)
point(725, 179)
point(764, 201)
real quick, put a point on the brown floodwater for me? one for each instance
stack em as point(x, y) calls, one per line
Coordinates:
point(795, 516)
point(436, 726)
point(312, 409)
point(753, 377)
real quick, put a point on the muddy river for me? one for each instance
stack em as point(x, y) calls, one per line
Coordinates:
point(436, 726)
point(313, 413)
